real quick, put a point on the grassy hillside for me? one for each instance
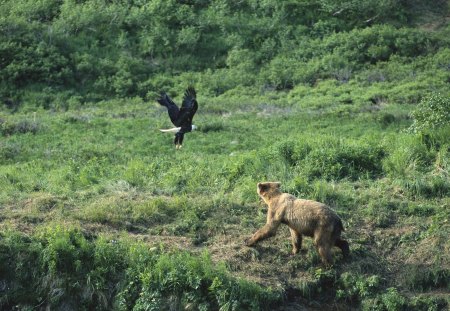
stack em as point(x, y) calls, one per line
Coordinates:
point(345, 103)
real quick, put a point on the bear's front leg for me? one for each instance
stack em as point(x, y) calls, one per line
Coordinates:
point(270, 229)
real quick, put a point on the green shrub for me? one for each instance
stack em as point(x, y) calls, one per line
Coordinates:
point(329, 159)
point(427, 303)
point(354, 288)
point(19, 127)
point(292, 151)
point(311, 287)
point(432, 112)
point(65, 250)
point(9, 150)
point(19, 266)
point(343, 160)
point(393, 300)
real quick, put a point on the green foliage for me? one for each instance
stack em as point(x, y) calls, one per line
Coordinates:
point(392, 300)
point(61, 268)
point(20, 127)
point(344, 161)
point(407, 156)
point(427, 278)
point(432, 112)
point(356, 287)
point(65, 250)
point(178, 281)
point(332, 159)
point(316, 94)
point(19, 255)
point(98, 49)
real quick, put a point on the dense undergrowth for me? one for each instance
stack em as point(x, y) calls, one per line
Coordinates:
point(343, 102)
point(62, 267)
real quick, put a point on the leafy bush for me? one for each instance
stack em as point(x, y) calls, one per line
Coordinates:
point(343, 160)
point(432, 112)
point(330, 159)
point(391, 300)
point(292, 151)
point(356, 287)
point(18, 266)
point(9, 150)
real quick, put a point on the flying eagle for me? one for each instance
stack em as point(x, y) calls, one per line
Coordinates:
point(180, 117)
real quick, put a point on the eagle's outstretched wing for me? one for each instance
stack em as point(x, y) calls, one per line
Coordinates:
point(188, 108)
point(172, 108)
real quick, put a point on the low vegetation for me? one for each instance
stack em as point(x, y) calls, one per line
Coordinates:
point(342, 102)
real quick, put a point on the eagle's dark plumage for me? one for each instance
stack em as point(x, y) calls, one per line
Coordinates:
point(180, 117)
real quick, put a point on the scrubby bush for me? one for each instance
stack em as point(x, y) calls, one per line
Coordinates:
point(432, 112)
point(330, 159)
point(9, 150)
point(18, 127)
point(343, 160)
point(356, 287)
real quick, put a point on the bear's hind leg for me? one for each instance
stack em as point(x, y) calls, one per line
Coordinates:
point(323, 245)
point(343, 245)
point(325, 255)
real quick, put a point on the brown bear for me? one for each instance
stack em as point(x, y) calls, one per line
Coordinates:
point(304, 217)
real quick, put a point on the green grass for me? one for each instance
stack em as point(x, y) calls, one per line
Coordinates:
point(106, 171)
point(98, 211)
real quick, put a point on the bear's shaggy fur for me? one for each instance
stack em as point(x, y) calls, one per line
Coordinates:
point(304, 217)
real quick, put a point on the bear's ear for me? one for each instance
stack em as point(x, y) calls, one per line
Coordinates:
point(277, 185)
point(263, 187)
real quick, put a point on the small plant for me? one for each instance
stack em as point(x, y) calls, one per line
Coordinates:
point(393, 300)
point(352, 287)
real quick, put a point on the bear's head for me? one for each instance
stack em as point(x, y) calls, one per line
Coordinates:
point(268, 189)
